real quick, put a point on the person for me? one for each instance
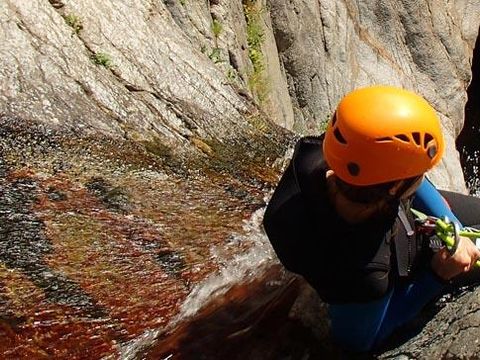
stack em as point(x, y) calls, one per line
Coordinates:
point(340, 215)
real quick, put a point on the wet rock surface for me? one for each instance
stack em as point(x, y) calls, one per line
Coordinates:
point(103, 239)
point(190, 71)
point(448, 330)
point(255, 327)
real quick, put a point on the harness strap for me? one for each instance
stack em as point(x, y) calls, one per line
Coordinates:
point(403, 244)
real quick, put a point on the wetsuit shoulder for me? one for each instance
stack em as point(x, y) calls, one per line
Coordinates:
point(342, 262)
point(288, 219)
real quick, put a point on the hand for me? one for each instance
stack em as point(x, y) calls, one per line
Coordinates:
point(447, 266)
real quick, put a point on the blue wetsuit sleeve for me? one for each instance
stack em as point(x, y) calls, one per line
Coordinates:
point(429, 201)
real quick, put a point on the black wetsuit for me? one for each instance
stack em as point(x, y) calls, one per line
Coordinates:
point(355, 267)
point(343, 262)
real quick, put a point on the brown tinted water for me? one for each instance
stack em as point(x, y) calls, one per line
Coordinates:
point(117, 249)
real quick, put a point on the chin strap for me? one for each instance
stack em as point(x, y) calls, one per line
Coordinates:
point(443, 232)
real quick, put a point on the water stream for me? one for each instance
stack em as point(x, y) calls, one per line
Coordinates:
point(110, 249)
point(234, 285)
point(242, 311)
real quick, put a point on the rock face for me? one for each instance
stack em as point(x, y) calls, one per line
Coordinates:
point(112, 121)
point(180, 70)
point(72, 64)
point(467, 141)
point(137, 135)
point(331, 47)
point(452, 334)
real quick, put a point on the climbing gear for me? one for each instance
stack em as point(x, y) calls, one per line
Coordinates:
point(443, 230)
point(406, 244)
point(380, 134)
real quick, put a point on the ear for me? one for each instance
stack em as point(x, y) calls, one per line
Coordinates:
point(396, 187)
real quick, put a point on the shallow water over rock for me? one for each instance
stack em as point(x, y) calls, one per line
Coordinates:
point(103, 240)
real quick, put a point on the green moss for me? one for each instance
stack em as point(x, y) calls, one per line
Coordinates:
point(156, 147)
point(259, 123)
point(255, 33)
point(257, 80)
point(74, 22)
point(259, 85)
point(217, 28)
point(231, 75)
point(102, 59)
point(216, 55)
point(169, 161)
point(201, 145)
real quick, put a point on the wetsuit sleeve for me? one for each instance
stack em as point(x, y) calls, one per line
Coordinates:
point(429, 201)
point(464, 208)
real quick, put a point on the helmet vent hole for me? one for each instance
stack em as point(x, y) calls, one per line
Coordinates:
point(417, 138)
point(432, 151)
point(353, 168)
point(384, 139)
point(427, 139)
point(402, 137)
point(334, 118)
point(339, 137)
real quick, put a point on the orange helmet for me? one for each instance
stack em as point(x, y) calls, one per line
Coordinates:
point(380, 134)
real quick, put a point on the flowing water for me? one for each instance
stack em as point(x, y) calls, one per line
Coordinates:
point(242, 311)
point(118, 249)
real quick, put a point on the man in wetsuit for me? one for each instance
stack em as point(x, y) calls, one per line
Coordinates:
point(340, 215)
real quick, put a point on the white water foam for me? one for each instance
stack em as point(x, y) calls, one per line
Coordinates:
point(243, 267)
